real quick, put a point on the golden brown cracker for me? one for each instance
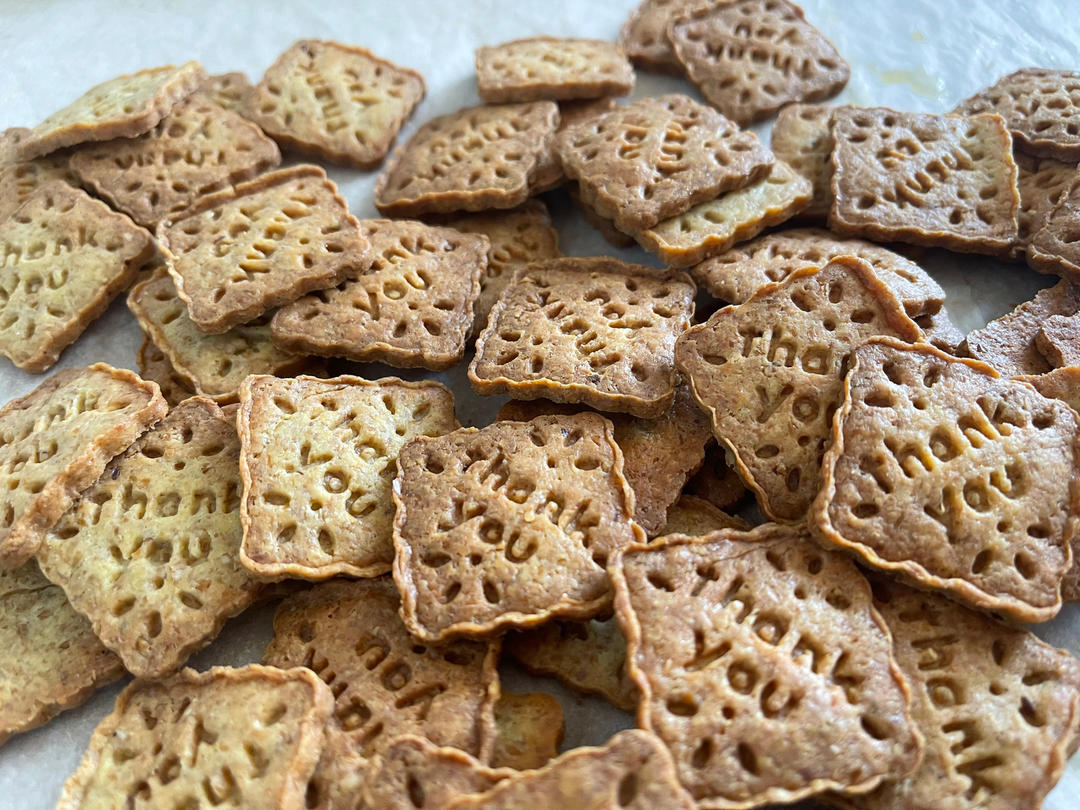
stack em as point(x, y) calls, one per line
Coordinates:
point(551, 68)
point(529, 730)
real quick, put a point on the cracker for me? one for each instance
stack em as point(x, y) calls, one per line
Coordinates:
point(696, 517)
point(65, 257)
point(644, 35)
point(411, 305)
point(510, 525)
point(936, 180)
point(593, 331)
point(739, 273)
point(21, 178)
point(802, 138)
point(1058, 340)
point(716, 481)
point(658, 157)
point(587, 656)
point(712, 227)
point(123, 107)
point(997, 706)
point(741, 643)
point(1055, 248)
point(770, 372)
point(196, 149)
point(519, 236)
point(529, 730)
point(1041, 184)
point(260, 244)
point(337, 102)
point(50, 659)
point(1008, 343)
point(228, 90)
point(317, 462)
point(659, 455)
point(631, 771)
point(150, 552)
point(384, 682)
point(470, 160)
point(751, 57)
point(211, 365)
point(249, 735)
point(414, 773)
point(155, 367)
point(574, 112)
point(939, 330)
point(551, 68)
point(612, 235)
point(55, 442)
point(944, 473)
point(1041, 108)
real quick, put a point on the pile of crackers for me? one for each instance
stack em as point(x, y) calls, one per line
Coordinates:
point(919, 486)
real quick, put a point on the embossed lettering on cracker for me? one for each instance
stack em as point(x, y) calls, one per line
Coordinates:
point(65, 256)
point(57, 440)
point(334, 101)
point(529, 730)
point(21, 178)
point(770, 372)
point(944, 473)
point(802, 138)
point(510, 525)
point(550, 68)
point(1055, 248)
point(250, 734)
point(740, 644)
point(658, 157)
point(936, 180)
point(751, 57)
point(594, 331)
point(228, 90)
point(241, 252)
point(318, 460)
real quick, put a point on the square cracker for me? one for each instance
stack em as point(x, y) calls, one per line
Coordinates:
point(50, 659)
point(802, 138)
point(1055, 247)
point(240, 252)
point(411, 305)
point(770, 372)
point(150, 553)
point(155, 367)
point(55, 442)
point(1041, 183)
point(658, 157)
point(943, 473)
point(510, 525)
point(248, 735)
point(196, 149)
point(21, 178)
point(123, 107)
point(936, 180)
point(470, 160)
point(751, 57)
point(529, 730)
point(334, 101)
point(317, 463)
point(210, 365)
point(552, 68)
point(643, 36)
point(593, 331)
point(740, 644)
point(65, 257)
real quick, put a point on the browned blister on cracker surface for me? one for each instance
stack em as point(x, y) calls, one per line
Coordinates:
point(1041, 183)
point(944, 473)
point(632, 770)
point(998, 708)
point(1041, 108)
point(248, 736)
point(123, 107)
point(592, 331)
point(1055, 248)
point(334, 101)
point(658, 157)
point(741, 643)
point(937, 180)
point(318, 462)
point(736, 275)
point(150, 553)
point(770, 372)
point(644, 34)
point(21, 178)
point(550, 68)
point(802, 138)
point(210, 365)
point(410, 305)
point(261, 244)
point(510, 525)
point(65, 256)
point(1058, 340)
point(528, 730)
point(751, 57)
point(196, 149)
point(50, 659)
point(155, 367)
point(470, 160)
point(696, 517)
point(55, 442)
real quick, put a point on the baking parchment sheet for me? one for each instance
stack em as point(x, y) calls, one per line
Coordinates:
point(921, 55)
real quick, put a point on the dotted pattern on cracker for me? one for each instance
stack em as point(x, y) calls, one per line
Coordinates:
point(1055, 247)
point(550, 68)
point(529, 730)
point(802, 138)
point(21, 178)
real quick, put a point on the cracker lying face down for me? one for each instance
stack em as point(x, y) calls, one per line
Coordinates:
point(802, 138)
point(529, 730)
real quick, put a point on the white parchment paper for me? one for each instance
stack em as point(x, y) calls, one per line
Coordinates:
point(913, 55)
